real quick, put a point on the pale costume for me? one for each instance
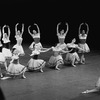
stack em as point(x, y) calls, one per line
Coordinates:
point(36, 47)
point(19, 40)
point(56, 59)
point(15, 68)
point(83, 37)
point(35, 63)
point(6, 44)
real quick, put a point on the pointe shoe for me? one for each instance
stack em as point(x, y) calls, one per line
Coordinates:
point(73, 65)
point(23, 77)
point(57, 68)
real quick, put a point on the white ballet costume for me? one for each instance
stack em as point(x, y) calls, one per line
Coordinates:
point(15, 68)
point(83, 44)
point(72, 56)
point(18, 46)
point(35, 63)
point(56, 58)
point(6, 50)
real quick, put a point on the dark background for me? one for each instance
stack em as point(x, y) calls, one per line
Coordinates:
point(47, 14)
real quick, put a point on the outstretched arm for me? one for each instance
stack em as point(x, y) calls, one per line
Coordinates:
point(87, 28)
point(80, 28)
point(58, 27)
point(67, 28)
point(37, 27)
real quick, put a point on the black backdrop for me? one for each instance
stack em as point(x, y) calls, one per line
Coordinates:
point(47, 14)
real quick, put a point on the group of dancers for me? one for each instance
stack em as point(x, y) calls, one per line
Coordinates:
point(14, 68)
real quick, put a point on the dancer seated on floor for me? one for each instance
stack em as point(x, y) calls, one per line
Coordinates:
point(83, 37)
point(15, 68)
point(96, 89)
point(72, 56)
point(3, 64)
point(36, 47)
point(19, 40)
point(56, 59)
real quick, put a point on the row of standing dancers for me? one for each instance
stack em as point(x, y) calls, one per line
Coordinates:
point(14, 68)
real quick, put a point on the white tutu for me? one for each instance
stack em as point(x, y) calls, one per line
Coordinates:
point(72, 56)
point(54, 60)
point(15, 69)
point(85, 47)
point(2, 57)
point(6, 52)
point(35, 64)
point(19, 48)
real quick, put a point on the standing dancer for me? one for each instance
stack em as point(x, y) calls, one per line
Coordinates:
point(36, 47)
point(19, 39)
point(83, 37)
point(6, 43)
point(73, 56)
point(15, 68)
point(2, 57)
point(61, 37)
point(56, 59)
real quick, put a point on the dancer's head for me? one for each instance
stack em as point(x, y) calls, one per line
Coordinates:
point(73, 41)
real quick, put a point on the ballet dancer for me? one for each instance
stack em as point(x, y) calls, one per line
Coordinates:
point(35, 63)
point(72, 56)
point(83, 37)
point(19, 39)
point(15, 68)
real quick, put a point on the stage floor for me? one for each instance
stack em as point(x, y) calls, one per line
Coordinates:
point(64, 84)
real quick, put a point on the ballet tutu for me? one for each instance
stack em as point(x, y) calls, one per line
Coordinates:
point(6, 52)
point(35, 64)
point(20, 49)
point(53, 61)
point(15, 69)
point(2, 57)
point(85, 47)
point(72, 56)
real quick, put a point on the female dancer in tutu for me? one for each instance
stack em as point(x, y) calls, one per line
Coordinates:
point(36, 47)
point(96, 89)
point(2, 57)
point(61, 37)
point(6, 43)
point(73, 57)
point(15, 68)
point(56, 59)
point(83, 37)
point(19, 39)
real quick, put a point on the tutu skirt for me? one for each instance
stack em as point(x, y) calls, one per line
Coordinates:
point(35, 64)
point(72, 56)
point(15, 69)
point(20, 49)
point(53, 61)
point(2, 57)
point(6, 52)
point(85, 47)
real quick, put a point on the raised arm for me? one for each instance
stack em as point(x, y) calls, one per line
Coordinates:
point(58, 27)
point(67, 28)
point(80, 28)
point(3, 29)
point(29, 31)
point(22, 29)
point(16, 27)
point(87, 28)
point(8, 31)
point(37, 27)
point(0, 33)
